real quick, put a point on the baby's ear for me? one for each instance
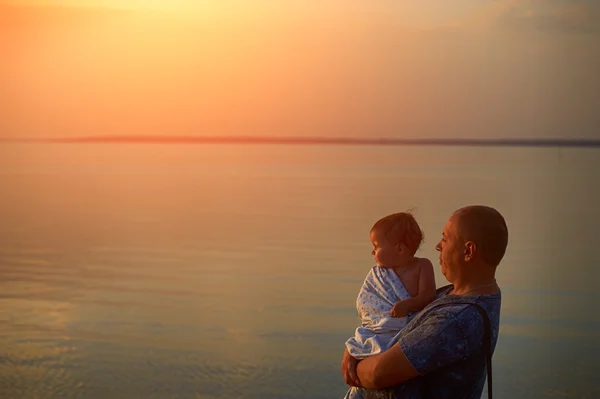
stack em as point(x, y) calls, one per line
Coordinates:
point(400, 247)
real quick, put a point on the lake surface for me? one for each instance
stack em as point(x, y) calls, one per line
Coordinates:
point(231, 271)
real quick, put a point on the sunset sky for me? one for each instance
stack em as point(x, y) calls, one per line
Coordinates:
point(406, 69)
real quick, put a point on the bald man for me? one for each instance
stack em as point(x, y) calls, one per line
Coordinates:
point(441, 353)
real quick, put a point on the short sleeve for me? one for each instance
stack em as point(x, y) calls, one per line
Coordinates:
point(441, 339)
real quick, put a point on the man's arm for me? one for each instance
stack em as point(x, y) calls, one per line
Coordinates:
point(425, 296)
point(385, 369)
point(435, 342)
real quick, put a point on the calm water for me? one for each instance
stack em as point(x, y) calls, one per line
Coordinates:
point(171, 271)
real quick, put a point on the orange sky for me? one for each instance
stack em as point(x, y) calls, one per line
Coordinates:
point(509, 68)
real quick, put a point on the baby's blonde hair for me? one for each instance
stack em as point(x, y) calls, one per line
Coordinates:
point(401, 228)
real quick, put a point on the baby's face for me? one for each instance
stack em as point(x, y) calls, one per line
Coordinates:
point(385, 253)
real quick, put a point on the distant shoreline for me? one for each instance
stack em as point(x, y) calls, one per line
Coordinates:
point(589, 143)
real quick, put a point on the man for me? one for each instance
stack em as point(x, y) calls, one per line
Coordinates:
point(440, 353)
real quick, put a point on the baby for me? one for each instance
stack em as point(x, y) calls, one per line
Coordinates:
point(400, 285)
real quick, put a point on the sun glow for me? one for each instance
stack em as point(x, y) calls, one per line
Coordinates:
point(292, 68)
point(126, 4)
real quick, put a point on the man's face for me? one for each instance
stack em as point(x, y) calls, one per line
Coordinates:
point(451, 248)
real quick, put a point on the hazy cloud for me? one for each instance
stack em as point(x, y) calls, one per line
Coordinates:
point(548, 15)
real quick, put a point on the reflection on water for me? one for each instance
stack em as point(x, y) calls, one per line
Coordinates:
point(140, 271)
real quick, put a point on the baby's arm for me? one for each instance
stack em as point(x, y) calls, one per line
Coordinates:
point(425, 296)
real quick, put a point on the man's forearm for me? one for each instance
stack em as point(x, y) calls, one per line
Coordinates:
point(366, 372)
point(385, 369)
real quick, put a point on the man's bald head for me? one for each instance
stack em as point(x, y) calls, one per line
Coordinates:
point(485, 227)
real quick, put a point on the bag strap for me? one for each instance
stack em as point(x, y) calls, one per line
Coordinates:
point(487, 339)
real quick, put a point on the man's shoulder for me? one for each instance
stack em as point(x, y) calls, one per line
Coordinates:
point(460, 308)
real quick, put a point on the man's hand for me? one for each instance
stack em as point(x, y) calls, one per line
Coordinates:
point(349, 364)
point(399, 310)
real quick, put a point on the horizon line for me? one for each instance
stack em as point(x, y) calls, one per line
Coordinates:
point(324, 140)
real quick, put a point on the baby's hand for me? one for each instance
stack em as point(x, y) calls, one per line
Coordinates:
point(399, 310)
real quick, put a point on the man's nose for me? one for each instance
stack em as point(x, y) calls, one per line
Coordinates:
point(438, 247)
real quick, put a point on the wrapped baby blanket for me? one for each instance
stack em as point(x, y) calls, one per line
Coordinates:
point(378, 331)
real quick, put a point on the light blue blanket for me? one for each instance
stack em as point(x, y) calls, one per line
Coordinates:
point(378, 331)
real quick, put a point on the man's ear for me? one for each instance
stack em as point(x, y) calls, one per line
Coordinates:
point(470, 248)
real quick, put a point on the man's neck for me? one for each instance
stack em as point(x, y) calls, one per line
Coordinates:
point(482, 286)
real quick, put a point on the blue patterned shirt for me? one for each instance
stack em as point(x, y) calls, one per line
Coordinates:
point(445, 347)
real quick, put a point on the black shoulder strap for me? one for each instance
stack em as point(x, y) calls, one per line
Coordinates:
point(487, 340)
